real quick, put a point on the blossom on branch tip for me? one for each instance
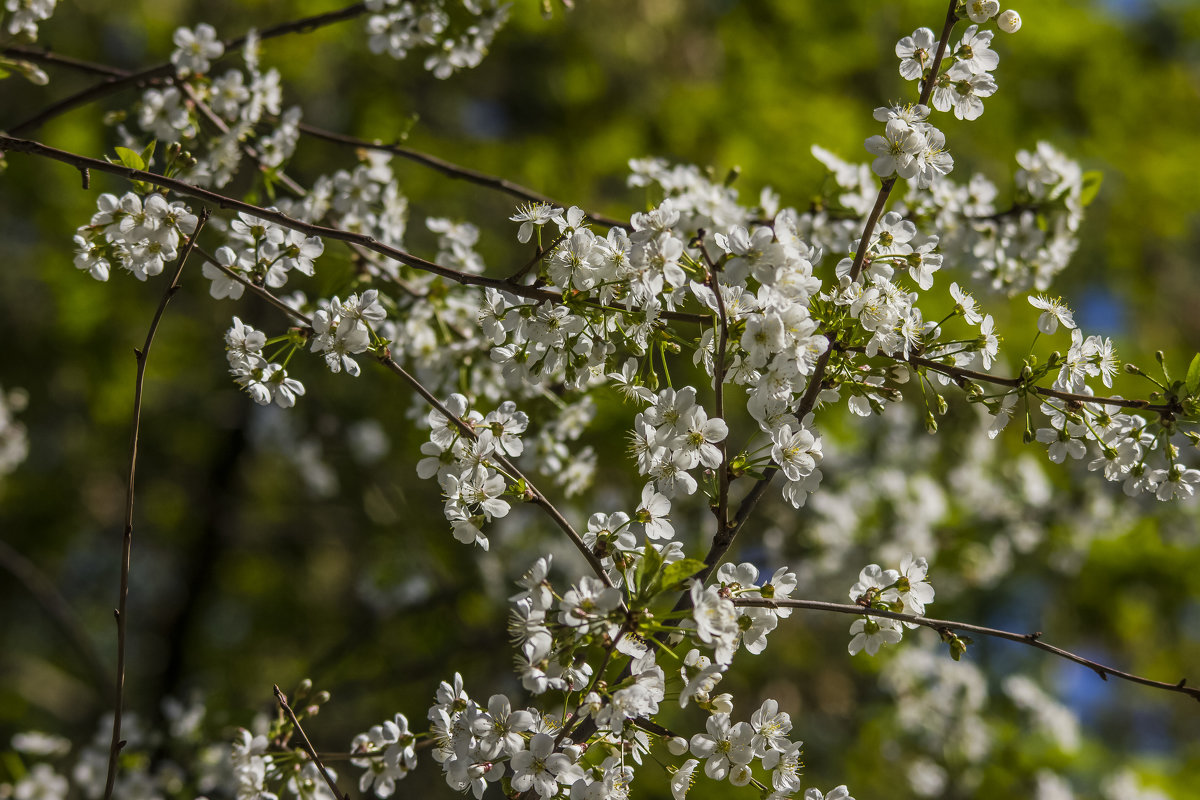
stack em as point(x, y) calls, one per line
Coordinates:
point(195, 49)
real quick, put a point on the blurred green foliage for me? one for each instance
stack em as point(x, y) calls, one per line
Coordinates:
point(245, 574)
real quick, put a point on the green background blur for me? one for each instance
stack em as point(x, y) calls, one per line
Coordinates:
point(247, 573)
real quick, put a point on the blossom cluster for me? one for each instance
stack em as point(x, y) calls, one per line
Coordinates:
point(905, 590)
point(27, 15)
point(724, 627)
point(265, 380)
point(601, 310)
point(246, 107)
point(262, 253)
point(134, 234)
point(463, 452)
point(909, 147)
point(397, 27)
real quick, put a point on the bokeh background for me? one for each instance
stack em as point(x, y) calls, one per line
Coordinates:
point(272, 546)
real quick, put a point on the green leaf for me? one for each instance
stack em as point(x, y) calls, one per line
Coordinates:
point(648, 571)
point(148, 153)
point(131, 159)
point(1091, 186)
point(679, 571)
point(1192, 382)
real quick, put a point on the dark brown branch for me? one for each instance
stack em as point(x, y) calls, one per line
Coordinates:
point(941, 625)
point(117, 80)
point(959, 373)
point(307, 745)
point(532, 494)
point(43, 56)
point(127, 538)
point(451, 170)
point(11, 145)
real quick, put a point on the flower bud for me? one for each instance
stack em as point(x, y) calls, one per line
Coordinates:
point(1009, 21)
point(677, 746)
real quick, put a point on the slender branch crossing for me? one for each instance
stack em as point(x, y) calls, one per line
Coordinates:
point(1031, 639)
point(127, 539)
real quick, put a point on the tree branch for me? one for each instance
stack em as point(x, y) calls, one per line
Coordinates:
point(940, 625)
point(533, 494)
point(308, 748)
point(451, 170)
point(127, 539)
point(29, 147)
point(447, 168)
point(119, 79)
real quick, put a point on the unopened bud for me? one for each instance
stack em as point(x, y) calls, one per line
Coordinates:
point(1009, 21)
point(677, 746)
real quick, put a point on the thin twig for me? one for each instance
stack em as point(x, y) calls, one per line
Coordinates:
point(447, 168)
point(43, 56)
point(308, 748)
point(215, 120)
point(450, 170)
point(532, 494)
point(119, 79)
point(966, 374)
point(127, 539)
point(886, 188)
point(940, 625)
point(538, 257)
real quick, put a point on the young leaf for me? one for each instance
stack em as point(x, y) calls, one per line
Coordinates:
point(677, 572)
point(648, 579)
point(148, 153)
point(1192, 382)
point(1091, 186)
point(131, 159)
